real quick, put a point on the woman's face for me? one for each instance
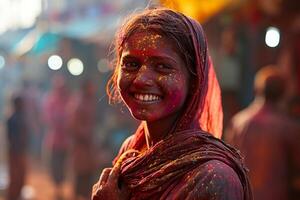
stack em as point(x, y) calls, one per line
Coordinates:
point(152, 78)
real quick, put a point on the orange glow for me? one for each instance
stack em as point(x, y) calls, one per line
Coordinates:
point(197, 9)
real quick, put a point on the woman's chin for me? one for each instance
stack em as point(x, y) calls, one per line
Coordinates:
point(143, 116)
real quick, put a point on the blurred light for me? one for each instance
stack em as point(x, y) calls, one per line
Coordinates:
point(28, 192)
point(55, 62)
point(2, 62)
point(272, 37)
point(29, 10)
point(18, 14)
point(103, 66)
point(200, 10)
point(75, 66)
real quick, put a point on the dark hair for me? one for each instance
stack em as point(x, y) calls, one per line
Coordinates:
point(163, 21)
point(274, 88)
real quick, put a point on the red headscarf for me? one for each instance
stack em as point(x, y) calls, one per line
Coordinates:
point(205, 107)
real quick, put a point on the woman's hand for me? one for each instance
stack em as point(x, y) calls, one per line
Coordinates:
point(107, 186)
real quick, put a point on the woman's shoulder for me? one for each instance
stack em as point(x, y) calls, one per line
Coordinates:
point(218, 180)
point(212, 180)
point(219, 172)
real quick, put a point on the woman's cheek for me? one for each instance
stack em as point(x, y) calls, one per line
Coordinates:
point(124, 80)
point(175, 88)
point(177, 98)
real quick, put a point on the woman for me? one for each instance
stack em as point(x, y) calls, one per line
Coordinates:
point(164, 75)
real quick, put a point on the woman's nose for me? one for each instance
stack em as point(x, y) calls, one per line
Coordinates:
point(144, 77)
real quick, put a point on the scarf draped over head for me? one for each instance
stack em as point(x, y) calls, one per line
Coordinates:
point(204, 108)
point(150, 175)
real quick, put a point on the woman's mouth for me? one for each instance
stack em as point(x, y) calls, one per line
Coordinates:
point(146, 97)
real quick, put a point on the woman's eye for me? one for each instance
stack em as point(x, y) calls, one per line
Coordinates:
point(163, 67)
point(130, 65)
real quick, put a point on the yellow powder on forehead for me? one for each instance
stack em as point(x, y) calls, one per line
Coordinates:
point(148, 41)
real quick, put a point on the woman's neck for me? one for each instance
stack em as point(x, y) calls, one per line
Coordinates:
point(158, 130)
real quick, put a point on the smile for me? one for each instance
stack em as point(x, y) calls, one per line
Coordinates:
point(147, 97)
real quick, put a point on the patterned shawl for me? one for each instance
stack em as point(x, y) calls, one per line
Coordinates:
point(153, 174)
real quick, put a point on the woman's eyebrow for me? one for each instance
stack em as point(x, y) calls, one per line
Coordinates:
point(150, 57)
point(165, 58)
point(128, 57)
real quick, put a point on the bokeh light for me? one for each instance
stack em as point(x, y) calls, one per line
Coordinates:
point(75, 66)
point(2, 62)
point(272, 38)
point(28, 192)
point(103, 65)
point(55, 62)
point(19, 14)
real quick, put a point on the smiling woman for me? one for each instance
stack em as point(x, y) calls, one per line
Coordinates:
point(165, 77)
point(153, 70)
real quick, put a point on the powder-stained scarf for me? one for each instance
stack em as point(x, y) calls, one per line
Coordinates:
point(155, 173)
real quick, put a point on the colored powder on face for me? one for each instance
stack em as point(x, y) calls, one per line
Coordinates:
point(148, 41)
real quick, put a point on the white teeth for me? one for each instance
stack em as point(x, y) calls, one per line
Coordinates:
point(146, 97)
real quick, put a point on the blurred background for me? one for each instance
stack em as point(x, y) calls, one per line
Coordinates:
point(57, 55)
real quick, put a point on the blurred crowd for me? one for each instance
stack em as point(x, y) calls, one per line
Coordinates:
point(59, 131)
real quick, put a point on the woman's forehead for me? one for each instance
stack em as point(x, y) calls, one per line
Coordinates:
point(149, 44)
point(141, 40)
point(149, 41)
